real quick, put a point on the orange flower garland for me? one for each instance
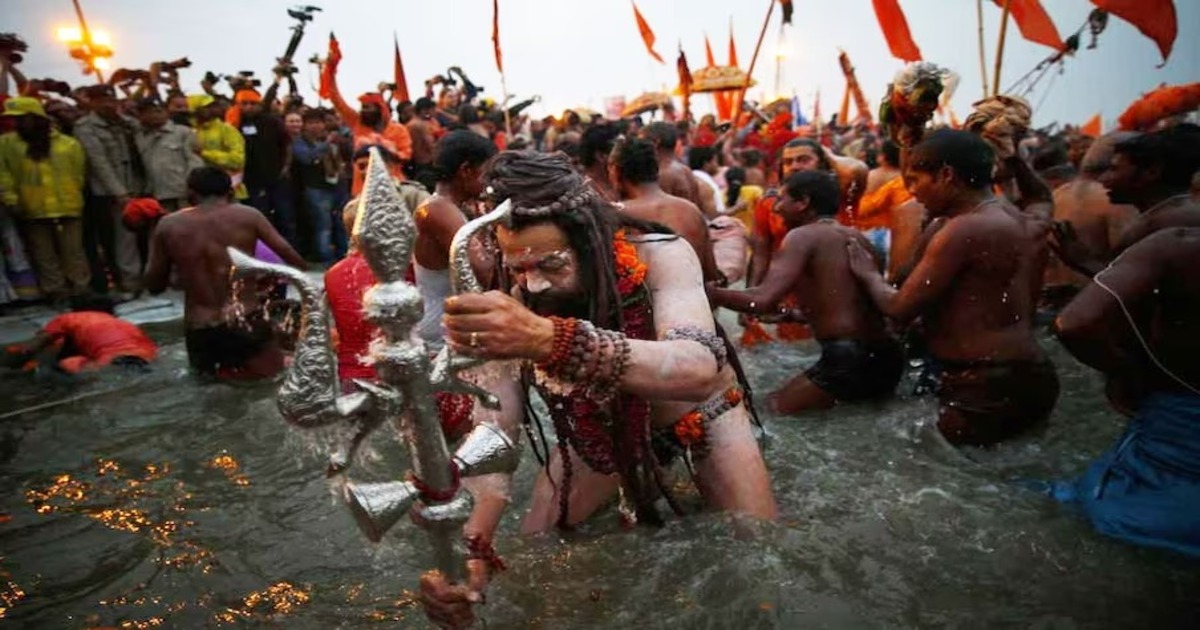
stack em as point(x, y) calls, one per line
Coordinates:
point(631, 271)
point(1163, 102)
point(689, 430)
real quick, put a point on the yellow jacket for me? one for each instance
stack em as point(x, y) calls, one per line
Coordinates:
point(47, 189)
point(222, 146)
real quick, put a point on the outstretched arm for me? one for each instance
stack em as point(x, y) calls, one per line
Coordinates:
point(1036, 197)
point(764, 298)
point(933, 275)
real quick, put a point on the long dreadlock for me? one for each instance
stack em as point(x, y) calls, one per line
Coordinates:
point(544, 188)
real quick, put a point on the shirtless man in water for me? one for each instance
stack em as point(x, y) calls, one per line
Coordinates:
point(859, 359)
point(633, 171)
point(609, 323)
point(1138, 322)
point(192, 242)
point(976, 285)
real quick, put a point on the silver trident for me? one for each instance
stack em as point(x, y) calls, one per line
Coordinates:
point(311, 397)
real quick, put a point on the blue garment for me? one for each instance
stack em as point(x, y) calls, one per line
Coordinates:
point(329, 232)
point(1146, 489)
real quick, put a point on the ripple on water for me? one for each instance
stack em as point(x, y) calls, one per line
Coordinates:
point(882, 525)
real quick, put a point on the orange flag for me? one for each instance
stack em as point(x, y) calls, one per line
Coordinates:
point(647, 34)
point(496, 35)
point(325, 90)
point(1154, 18)
point(401, 92)
point(895, 30)
point(1036, 26)
point(1092, 127)
point(844, 113)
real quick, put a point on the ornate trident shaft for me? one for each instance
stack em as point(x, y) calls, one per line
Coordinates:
point(311, 397)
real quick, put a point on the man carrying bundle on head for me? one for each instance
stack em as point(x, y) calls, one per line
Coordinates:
point(611, 326)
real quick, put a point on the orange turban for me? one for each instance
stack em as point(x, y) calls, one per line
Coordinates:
point(374, 97)
point(246, 96)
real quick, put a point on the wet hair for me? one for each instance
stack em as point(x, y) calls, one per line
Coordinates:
point(636, 161)
point(735, 178)
point(967, 154)
point(818, 187)
point(460, 147)
point(92, 302)
point(209, 181)
point(539, 180)
point(890, 152)
point(597, 139)
point(664, 135)
point(822, 160)
point(1175, 149)
point(1099, 155)
point(699, 156)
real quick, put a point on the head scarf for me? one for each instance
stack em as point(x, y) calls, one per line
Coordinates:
point(246, 96)
point(197, 101)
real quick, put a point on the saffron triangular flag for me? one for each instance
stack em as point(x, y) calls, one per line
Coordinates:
point(401, 92)
point(1035, 25)
point(708, 53)
point(1156, 19)
point(685, 73)
point(325, 89)
point(895, 30)
point(496, 36)
point(1093, 127)
point(647, 35)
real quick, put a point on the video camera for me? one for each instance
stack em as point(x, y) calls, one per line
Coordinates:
point(303, 13)
point(183, 62)
point(11, 45)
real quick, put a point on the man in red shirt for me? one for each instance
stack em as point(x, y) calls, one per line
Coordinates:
point(88, 338)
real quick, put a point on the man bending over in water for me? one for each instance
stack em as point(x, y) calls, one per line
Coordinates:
point(192, 242)
point(859, 359)
point(976, 285)
point(1138, 322)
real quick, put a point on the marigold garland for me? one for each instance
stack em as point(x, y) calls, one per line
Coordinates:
point(631, 271)
point(1163, 102)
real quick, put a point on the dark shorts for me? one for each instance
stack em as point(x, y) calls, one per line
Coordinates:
point(984, 403)
point(852, 370)
point(226, 348)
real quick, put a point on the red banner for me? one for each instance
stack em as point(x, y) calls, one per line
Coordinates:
point(1036, 26)
point(496, 35)
point(895, 30)
point(1156, 19)
point(647, 34)
point(401, 93)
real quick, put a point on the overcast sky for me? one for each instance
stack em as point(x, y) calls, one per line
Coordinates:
point(579, 52)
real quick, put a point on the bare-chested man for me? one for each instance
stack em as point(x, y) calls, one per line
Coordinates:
point(976, 286)
point(423, 128)
point(674, 176)
point(1138, 322)
point(460, 157)
point(1083, 204)
point(1152, 172)
point(633, 170)
point(595, 147)
point(859, 359)
point(193, 243)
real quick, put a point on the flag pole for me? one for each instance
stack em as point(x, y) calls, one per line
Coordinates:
point(1000, 47)
point(741, 94)
point(982, 53)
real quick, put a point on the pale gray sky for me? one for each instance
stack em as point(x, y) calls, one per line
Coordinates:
point(578, 52)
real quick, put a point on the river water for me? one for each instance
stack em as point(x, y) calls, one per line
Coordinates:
point(162, 502)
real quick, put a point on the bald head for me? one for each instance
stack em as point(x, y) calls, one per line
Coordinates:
point(1100, 154)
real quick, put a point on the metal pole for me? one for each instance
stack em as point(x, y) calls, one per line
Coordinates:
point(982, 53)
point(87, 41)
point(1000, 48)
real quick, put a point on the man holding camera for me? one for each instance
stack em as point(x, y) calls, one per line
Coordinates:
point(116, 175)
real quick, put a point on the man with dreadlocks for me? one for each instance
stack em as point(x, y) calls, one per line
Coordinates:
point(609, 321)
